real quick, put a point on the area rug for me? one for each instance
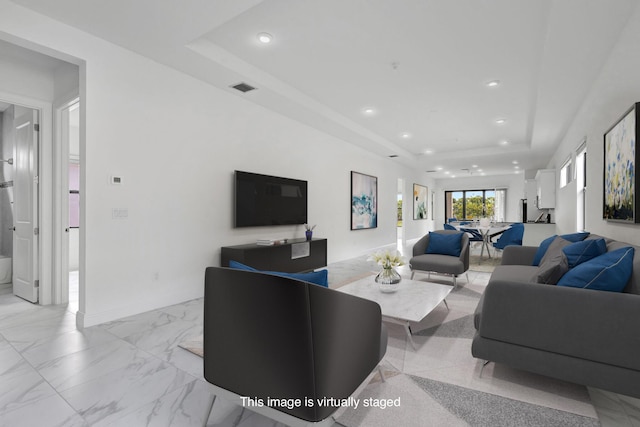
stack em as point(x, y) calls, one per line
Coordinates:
point(439, 383)
point(484, 263)
point(194, 345)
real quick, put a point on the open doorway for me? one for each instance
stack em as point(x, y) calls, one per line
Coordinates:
point(69, 136)
point(72, 116)
point(42, 84)
point(400, 217)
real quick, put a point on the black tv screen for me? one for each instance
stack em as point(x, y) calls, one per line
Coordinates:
point(262, 200)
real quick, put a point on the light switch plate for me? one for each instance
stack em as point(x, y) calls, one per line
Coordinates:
point(119, 213)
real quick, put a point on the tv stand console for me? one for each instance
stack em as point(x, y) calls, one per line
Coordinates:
point(295, 256)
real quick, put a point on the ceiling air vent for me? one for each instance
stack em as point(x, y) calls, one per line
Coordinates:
point(393, 156)
point(431, 171)
point(243, 87)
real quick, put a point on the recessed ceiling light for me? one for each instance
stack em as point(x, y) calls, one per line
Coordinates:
point(493, 83)
point(369, 111)
point(439, 168)
point(479, 170)
point(505, 142)
point(474, 166)
point(447, 172)
point(265, 38)
point(515, 162)
point(501, 121)
point(405, 135)
point(428, 151)
point(516, 167)
point(453, 176)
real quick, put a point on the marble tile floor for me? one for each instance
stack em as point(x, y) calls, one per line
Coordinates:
point(131, 372)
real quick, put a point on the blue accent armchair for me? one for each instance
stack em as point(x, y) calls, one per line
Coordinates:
point(448, 265)
point(512, 236)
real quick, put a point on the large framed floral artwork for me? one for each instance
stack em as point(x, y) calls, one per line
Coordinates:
point(364, 201)
point(420, 195)
point(620, 201)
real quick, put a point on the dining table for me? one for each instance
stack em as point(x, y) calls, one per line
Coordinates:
point(486, 231)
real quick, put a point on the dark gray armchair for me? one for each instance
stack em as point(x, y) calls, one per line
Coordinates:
point(269, 336)
point(437, 263)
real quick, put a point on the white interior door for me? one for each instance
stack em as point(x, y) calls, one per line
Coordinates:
point(25, 214)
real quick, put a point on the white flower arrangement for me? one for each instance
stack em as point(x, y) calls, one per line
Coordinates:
point(387, 259)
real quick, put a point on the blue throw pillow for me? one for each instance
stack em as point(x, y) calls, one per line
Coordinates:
point(608, 272)
point(320, 277)
point(580, 252)
point(240, 266)
point(544, 245)
point(444, 244)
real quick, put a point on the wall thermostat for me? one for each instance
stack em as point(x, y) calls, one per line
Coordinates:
point(115, 180)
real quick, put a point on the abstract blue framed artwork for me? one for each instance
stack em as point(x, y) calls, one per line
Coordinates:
point(420, 195)
point(364, 201)
point(620, 180)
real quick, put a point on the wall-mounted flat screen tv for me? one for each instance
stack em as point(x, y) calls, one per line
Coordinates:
point(262, 200)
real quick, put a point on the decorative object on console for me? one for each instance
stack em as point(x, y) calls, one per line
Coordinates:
point(364, 201)
point(420, 195)
point(620, 201)
point(388, 278)
point(271, 241)
point(308, 231)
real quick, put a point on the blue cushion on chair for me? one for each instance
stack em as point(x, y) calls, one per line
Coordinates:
point(608, 272)
point(544, 245)
point(240, 266)
point(444, 244)
point(320, 277)
point(580, 252)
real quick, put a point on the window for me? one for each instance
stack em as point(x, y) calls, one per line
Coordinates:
point(473, 204)
point(566, 173)
point(581, 184)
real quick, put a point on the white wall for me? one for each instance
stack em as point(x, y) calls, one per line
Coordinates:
point(176, 141)
point(513, 183)
point(615, 90)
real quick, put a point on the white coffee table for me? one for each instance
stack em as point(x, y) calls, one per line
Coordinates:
point(412, 302)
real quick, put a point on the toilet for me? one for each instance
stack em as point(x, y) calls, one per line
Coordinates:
point(5, 269)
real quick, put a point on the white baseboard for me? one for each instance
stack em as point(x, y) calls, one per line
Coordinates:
point(84, 320)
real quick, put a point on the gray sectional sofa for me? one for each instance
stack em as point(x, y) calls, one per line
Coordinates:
point(589, 337)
